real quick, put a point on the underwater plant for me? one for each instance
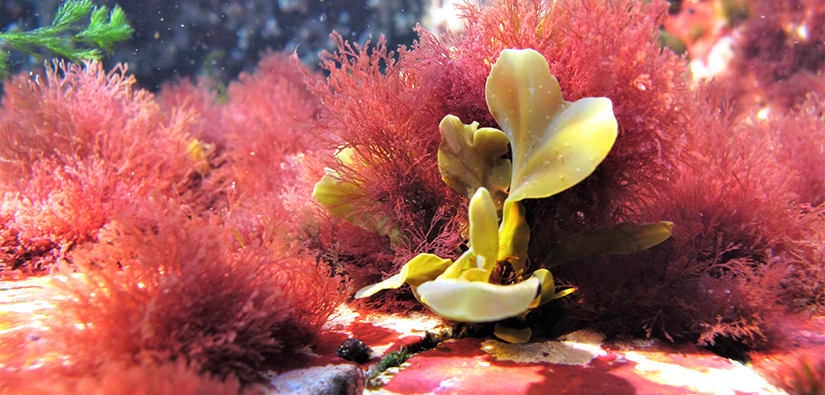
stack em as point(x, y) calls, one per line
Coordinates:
point(555, 144)
point(66, 37)
point(77, 145)
point(746, 253)
point(384, 107)
point(378, 105)
point(776, 58)
point(170, 232)
point(257, 137)
point(161, 286)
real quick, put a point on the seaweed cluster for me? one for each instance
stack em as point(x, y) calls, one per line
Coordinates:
point(192, 254)
point(171, 247)
point(737, 185)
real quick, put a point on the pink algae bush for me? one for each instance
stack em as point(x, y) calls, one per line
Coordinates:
point(258, 147)
point(778, 53)
point(743, 251)
point(797, 136)
point(187, 291)
point(167, 225)
point(254, 129)
point(78, 144)
point(742, 193)
point(381, 106)
point(388, 107)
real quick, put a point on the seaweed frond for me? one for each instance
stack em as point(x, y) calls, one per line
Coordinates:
point(67, 37)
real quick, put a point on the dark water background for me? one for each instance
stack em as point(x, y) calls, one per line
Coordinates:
point(222, 38)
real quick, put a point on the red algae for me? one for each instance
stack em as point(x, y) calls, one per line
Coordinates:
point(741, 250)
point(769, 53)
point(201, 261)
point(778, 55)
point(180, 243)
point(380, 106)
point(186, 290)
point(77, 146)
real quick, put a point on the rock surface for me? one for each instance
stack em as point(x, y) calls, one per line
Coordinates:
point(578, 363)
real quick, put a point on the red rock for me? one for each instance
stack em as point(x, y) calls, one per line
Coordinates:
point(579, 365)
